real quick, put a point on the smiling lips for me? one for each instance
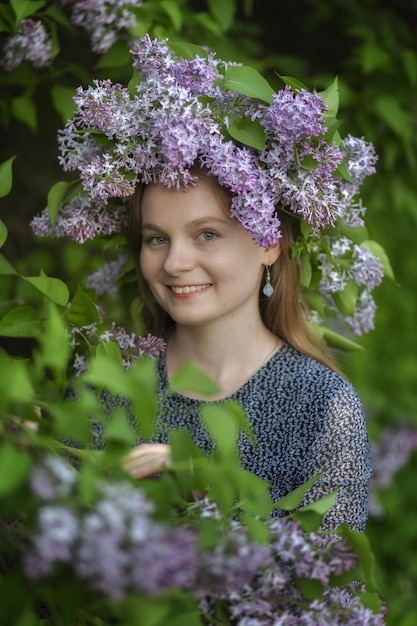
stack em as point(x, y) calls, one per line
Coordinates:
point(188, 288)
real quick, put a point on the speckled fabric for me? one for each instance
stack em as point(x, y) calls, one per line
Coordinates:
point(306, 418)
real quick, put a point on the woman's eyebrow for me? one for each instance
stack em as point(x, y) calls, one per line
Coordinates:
point(198, 222)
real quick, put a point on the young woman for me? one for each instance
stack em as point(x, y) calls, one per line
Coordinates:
point(240, 194)
point(201, 276)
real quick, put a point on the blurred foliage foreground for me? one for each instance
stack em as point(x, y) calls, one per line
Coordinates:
point(81, 542)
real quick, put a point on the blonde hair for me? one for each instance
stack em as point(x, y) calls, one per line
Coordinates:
point(284, 313)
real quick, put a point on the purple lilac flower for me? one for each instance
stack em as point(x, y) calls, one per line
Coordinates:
point(364, 315)
point(366, 269)
point(105, 21)
point(230, 565)
point(164, 128)
point(54, 540)
point(52, 478)
point(31, 43)
point(168, 558)
point(389, 454)
point(104, 280)
point(133, 347)
point(80, 221)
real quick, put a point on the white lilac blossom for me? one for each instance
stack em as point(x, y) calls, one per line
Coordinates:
point(105, 21)
point(179, 115)
point(31, 43)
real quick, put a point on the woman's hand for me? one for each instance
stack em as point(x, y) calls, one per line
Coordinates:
point(148, 459)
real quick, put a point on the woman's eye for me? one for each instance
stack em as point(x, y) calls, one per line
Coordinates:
point(156, 240)
point(208, 235)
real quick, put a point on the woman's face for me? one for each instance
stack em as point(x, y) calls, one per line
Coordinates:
point(200, 264)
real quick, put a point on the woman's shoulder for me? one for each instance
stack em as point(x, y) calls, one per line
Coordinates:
point(303, 372)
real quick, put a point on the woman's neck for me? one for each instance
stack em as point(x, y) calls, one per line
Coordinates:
point(228, 356)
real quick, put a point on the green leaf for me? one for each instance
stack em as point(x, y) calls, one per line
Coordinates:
point(144, 382)
point(25, 8)
point(71, 418)
point(370, 601)
point(247, 81)
point(6, 269)
point(105, 372)
point(117, 56)
point(331, 98)
point(109, 350)
point(360, 543)
point(389, 108)
point(306, 271)
point(54, 341)
point(248, 132)
point(56, 196)
point(22, 321)
point(62, 99)
point(334, 340)
point(223, 12)
point(54, 288)
point(311, 515)
point(82, 310)
point(310, 588)
point(381, 255)
point(294, 83)
point(6, 176)
point(346, 300)
point(14, 467)
point(24, 110)
point(342, 171)
point(190, 378)
point(293, 499)
point(309, 163)
point(15, 385)
point(119, 429)
point(3, 233)
point(174, 13)
point(187, 50)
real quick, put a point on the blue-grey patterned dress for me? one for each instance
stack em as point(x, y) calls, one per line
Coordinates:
point(306, 419)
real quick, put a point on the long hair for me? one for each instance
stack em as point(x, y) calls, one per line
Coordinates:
point(284, 313)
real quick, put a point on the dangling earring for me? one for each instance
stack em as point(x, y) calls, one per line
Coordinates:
point(268, 289)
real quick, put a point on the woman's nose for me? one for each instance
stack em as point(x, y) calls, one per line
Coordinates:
point(179, 258)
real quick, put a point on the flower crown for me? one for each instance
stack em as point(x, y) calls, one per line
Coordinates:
point(269, 148)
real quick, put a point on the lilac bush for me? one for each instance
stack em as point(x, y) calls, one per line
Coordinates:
point(117, 547)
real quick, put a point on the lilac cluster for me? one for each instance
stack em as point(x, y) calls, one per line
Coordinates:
point(175, 119)
point(342, 261)
point(105, 279)
point(132, 347)
point(273, 597)
point(105, 21)
point(31, 43)
point(181, 113)
point(389, 454)
point(80, 221)
point(117, 547)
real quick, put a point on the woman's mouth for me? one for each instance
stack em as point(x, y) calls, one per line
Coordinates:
point(188, 288)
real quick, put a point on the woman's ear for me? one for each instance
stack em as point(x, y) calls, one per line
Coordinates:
point(272, 253)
